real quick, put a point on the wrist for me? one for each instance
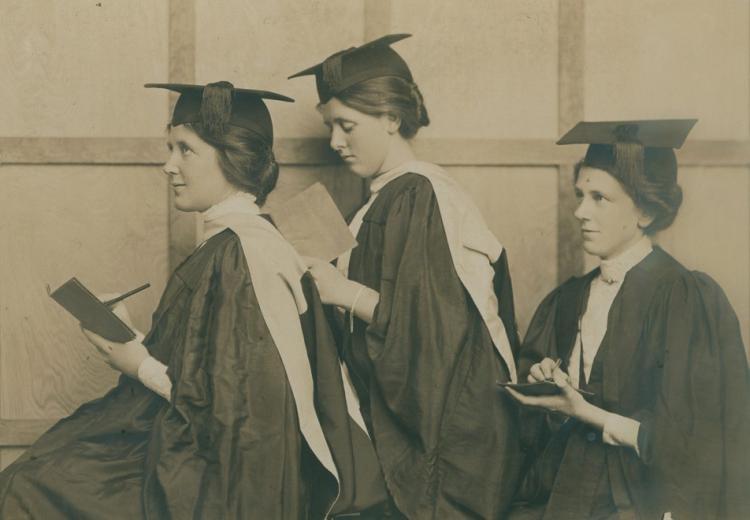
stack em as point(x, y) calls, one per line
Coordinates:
point(590, 414)
point(350, 291)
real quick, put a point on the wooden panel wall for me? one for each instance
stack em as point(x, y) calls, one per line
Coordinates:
point(81, 145)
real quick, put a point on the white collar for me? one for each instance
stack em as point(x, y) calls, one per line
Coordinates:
point(384, 178)
point(240, 202)
point(614, 269)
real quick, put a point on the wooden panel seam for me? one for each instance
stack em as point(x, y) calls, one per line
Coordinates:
point(571, 49)
point(315, 151)
point(182, 227)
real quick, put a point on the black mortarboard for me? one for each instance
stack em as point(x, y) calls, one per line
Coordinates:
point(219, 104)
point(651, 133)
point(345, 68)
point(628, 149)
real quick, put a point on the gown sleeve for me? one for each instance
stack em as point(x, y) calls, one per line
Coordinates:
point(446, 443)
point(229, 443)
point(415, 335)
point(504, 291)
point(695, 432)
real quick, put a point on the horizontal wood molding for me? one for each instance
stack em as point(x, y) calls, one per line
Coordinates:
point(22, 432)
point(315, 151)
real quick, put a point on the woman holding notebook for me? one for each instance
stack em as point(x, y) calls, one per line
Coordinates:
point(663, 430)
point(232, 406)
point(429, 324)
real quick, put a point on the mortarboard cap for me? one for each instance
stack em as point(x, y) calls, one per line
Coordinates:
point(630, 149)
point(216, 105)
point(651, 133)
point(345, 68)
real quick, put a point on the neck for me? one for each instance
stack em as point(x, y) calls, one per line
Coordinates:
point(399, 152)
point(624, 248)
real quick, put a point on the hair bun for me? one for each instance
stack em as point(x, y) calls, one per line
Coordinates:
point(422, 117)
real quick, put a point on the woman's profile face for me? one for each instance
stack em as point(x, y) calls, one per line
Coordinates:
point(194, 172)
point(361, 140)
point(608, 216)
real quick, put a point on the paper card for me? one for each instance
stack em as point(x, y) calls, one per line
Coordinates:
point(312, 223)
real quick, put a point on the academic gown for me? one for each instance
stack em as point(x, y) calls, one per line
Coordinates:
point(425, 369)
point(672, 358)
point(227, 444)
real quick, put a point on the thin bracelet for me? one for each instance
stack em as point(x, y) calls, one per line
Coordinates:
point(354, 304)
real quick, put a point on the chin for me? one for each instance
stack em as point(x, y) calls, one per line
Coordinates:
point(360, 170)
point(591, 249)
point(185, 206)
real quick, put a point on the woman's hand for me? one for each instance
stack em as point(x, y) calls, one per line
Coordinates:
point(125, 357)
point(334, 287)
point(568, 402)
point(119, 308)
point(543, 370)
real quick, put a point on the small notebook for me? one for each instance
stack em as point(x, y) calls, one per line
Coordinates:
point(93, 314)
point(540, 388)
point(312, 223)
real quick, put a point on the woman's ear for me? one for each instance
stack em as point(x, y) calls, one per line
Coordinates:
point(644, 220)
point(391, 123)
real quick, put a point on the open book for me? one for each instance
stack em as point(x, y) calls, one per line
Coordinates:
point(93, 314)
point(312, 223)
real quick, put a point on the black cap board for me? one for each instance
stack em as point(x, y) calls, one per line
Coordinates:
point(216, 105)
point(651, 133)
point(348, 67)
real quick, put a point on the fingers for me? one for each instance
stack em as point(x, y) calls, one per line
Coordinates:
point(107, 296)
point(548, 365)
point(535, 374)
point(517, 396)
point(542, 371)
point(121, 311)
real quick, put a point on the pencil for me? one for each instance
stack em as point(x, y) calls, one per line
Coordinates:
point(127, 294)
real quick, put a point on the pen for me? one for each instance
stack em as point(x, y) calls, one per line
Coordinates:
point(127, 294)
point(557, 365)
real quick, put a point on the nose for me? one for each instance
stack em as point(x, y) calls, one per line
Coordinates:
point(337, 138)
point(171, 168)
point(581, 212)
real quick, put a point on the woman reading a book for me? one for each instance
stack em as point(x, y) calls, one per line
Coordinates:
point(429, 324)
point(232, 406)
point(664, 427)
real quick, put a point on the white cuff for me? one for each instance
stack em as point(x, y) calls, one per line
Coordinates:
point(153, 374)
point(621, 431)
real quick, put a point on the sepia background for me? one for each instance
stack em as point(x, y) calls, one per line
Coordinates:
point(81, 142)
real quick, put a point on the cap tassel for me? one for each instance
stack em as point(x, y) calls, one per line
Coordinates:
point(216, 107)
point(629, 160)
point(332, 70)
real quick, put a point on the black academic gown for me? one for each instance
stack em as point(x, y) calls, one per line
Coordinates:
point(227, 445)
point(425, 369)
point(672, 358)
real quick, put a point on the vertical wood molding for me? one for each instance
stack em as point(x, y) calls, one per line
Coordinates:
point(571, 62)
point(570, 261)
point(183, 227)
point(377, 18)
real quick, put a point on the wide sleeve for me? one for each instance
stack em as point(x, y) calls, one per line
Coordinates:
point(541, 458)
point(229, 444)
point(417, 329)
point(507, 311)
point(360, 481)
point(541, 336)
point(694, 435)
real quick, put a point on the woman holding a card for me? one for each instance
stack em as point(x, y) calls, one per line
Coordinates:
point(429, 321)
point(663, 426)
point(232, 406)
